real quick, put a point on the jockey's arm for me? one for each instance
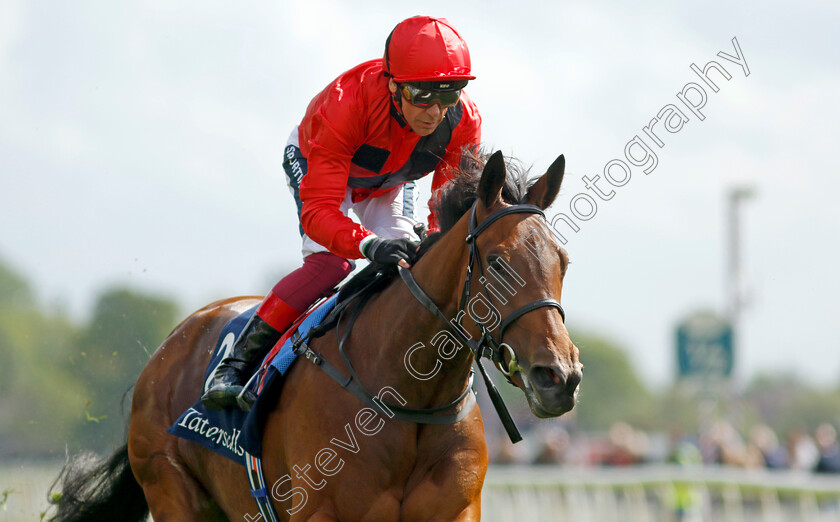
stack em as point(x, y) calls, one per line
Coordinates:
point(322, 191)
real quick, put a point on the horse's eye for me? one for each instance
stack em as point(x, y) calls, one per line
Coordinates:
point(494, 262)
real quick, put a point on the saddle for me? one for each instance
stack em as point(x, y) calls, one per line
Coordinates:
point(231, 432)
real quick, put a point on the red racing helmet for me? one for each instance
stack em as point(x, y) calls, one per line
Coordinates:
point(426, 49)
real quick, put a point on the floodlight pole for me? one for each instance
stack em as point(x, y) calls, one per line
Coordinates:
point(734, 284)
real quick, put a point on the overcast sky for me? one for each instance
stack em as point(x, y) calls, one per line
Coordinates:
point(140, 144)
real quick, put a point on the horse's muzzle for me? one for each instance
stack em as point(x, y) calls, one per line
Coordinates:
point(555, 389)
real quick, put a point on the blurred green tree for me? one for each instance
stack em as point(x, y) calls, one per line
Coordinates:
point(36, 387)
point(62, 385)
point(126, 328)
point(611, 390)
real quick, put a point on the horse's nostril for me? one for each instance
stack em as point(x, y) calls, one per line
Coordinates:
point(547, 377)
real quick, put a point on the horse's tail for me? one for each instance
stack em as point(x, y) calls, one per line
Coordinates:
point(104, 490)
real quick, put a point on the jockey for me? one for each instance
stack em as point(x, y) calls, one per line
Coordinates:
point(361, 144)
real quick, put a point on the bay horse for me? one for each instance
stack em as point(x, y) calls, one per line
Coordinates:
point(326, 456)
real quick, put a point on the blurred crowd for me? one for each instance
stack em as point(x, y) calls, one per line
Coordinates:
point(719, 444)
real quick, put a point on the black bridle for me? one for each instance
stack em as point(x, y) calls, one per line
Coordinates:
point(486, 346)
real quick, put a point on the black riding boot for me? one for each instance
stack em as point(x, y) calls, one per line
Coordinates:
point(229, 378)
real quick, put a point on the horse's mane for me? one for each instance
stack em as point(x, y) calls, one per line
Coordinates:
point(449, 204)
point(458, 195)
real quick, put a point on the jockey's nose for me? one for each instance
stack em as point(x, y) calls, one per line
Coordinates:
point(434, 110)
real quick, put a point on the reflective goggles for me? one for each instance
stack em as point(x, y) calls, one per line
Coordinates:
point(424, 99)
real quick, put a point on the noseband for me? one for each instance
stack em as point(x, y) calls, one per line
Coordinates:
point(487, 345)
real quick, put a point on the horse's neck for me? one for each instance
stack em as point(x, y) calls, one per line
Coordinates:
point(440, 273)
point(401, 322)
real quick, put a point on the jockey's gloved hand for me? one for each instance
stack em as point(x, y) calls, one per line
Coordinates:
point(389, 251)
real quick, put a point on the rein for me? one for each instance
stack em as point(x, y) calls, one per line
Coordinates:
point(486, 346)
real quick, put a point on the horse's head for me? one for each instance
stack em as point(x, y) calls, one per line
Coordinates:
point(519, 268)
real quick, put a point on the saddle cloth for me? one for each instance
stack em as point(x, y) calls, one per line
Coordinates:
point(231, 432)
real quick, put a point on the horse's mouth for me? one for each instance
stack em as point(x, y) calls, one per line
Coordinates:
point(560, 406)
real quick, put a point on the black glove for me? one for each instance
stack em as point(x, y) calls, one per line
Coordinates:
point(390, 251)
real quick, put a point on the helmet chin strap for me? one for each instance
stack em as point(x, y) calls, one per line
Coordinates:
point(396, 109)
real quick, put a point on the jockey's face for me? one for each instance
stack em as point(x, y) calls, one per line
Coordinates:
point(422, 121)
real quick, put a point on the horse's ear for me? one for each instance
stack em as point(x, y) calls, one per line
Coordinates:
point(492, 179)
point(543, 192)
